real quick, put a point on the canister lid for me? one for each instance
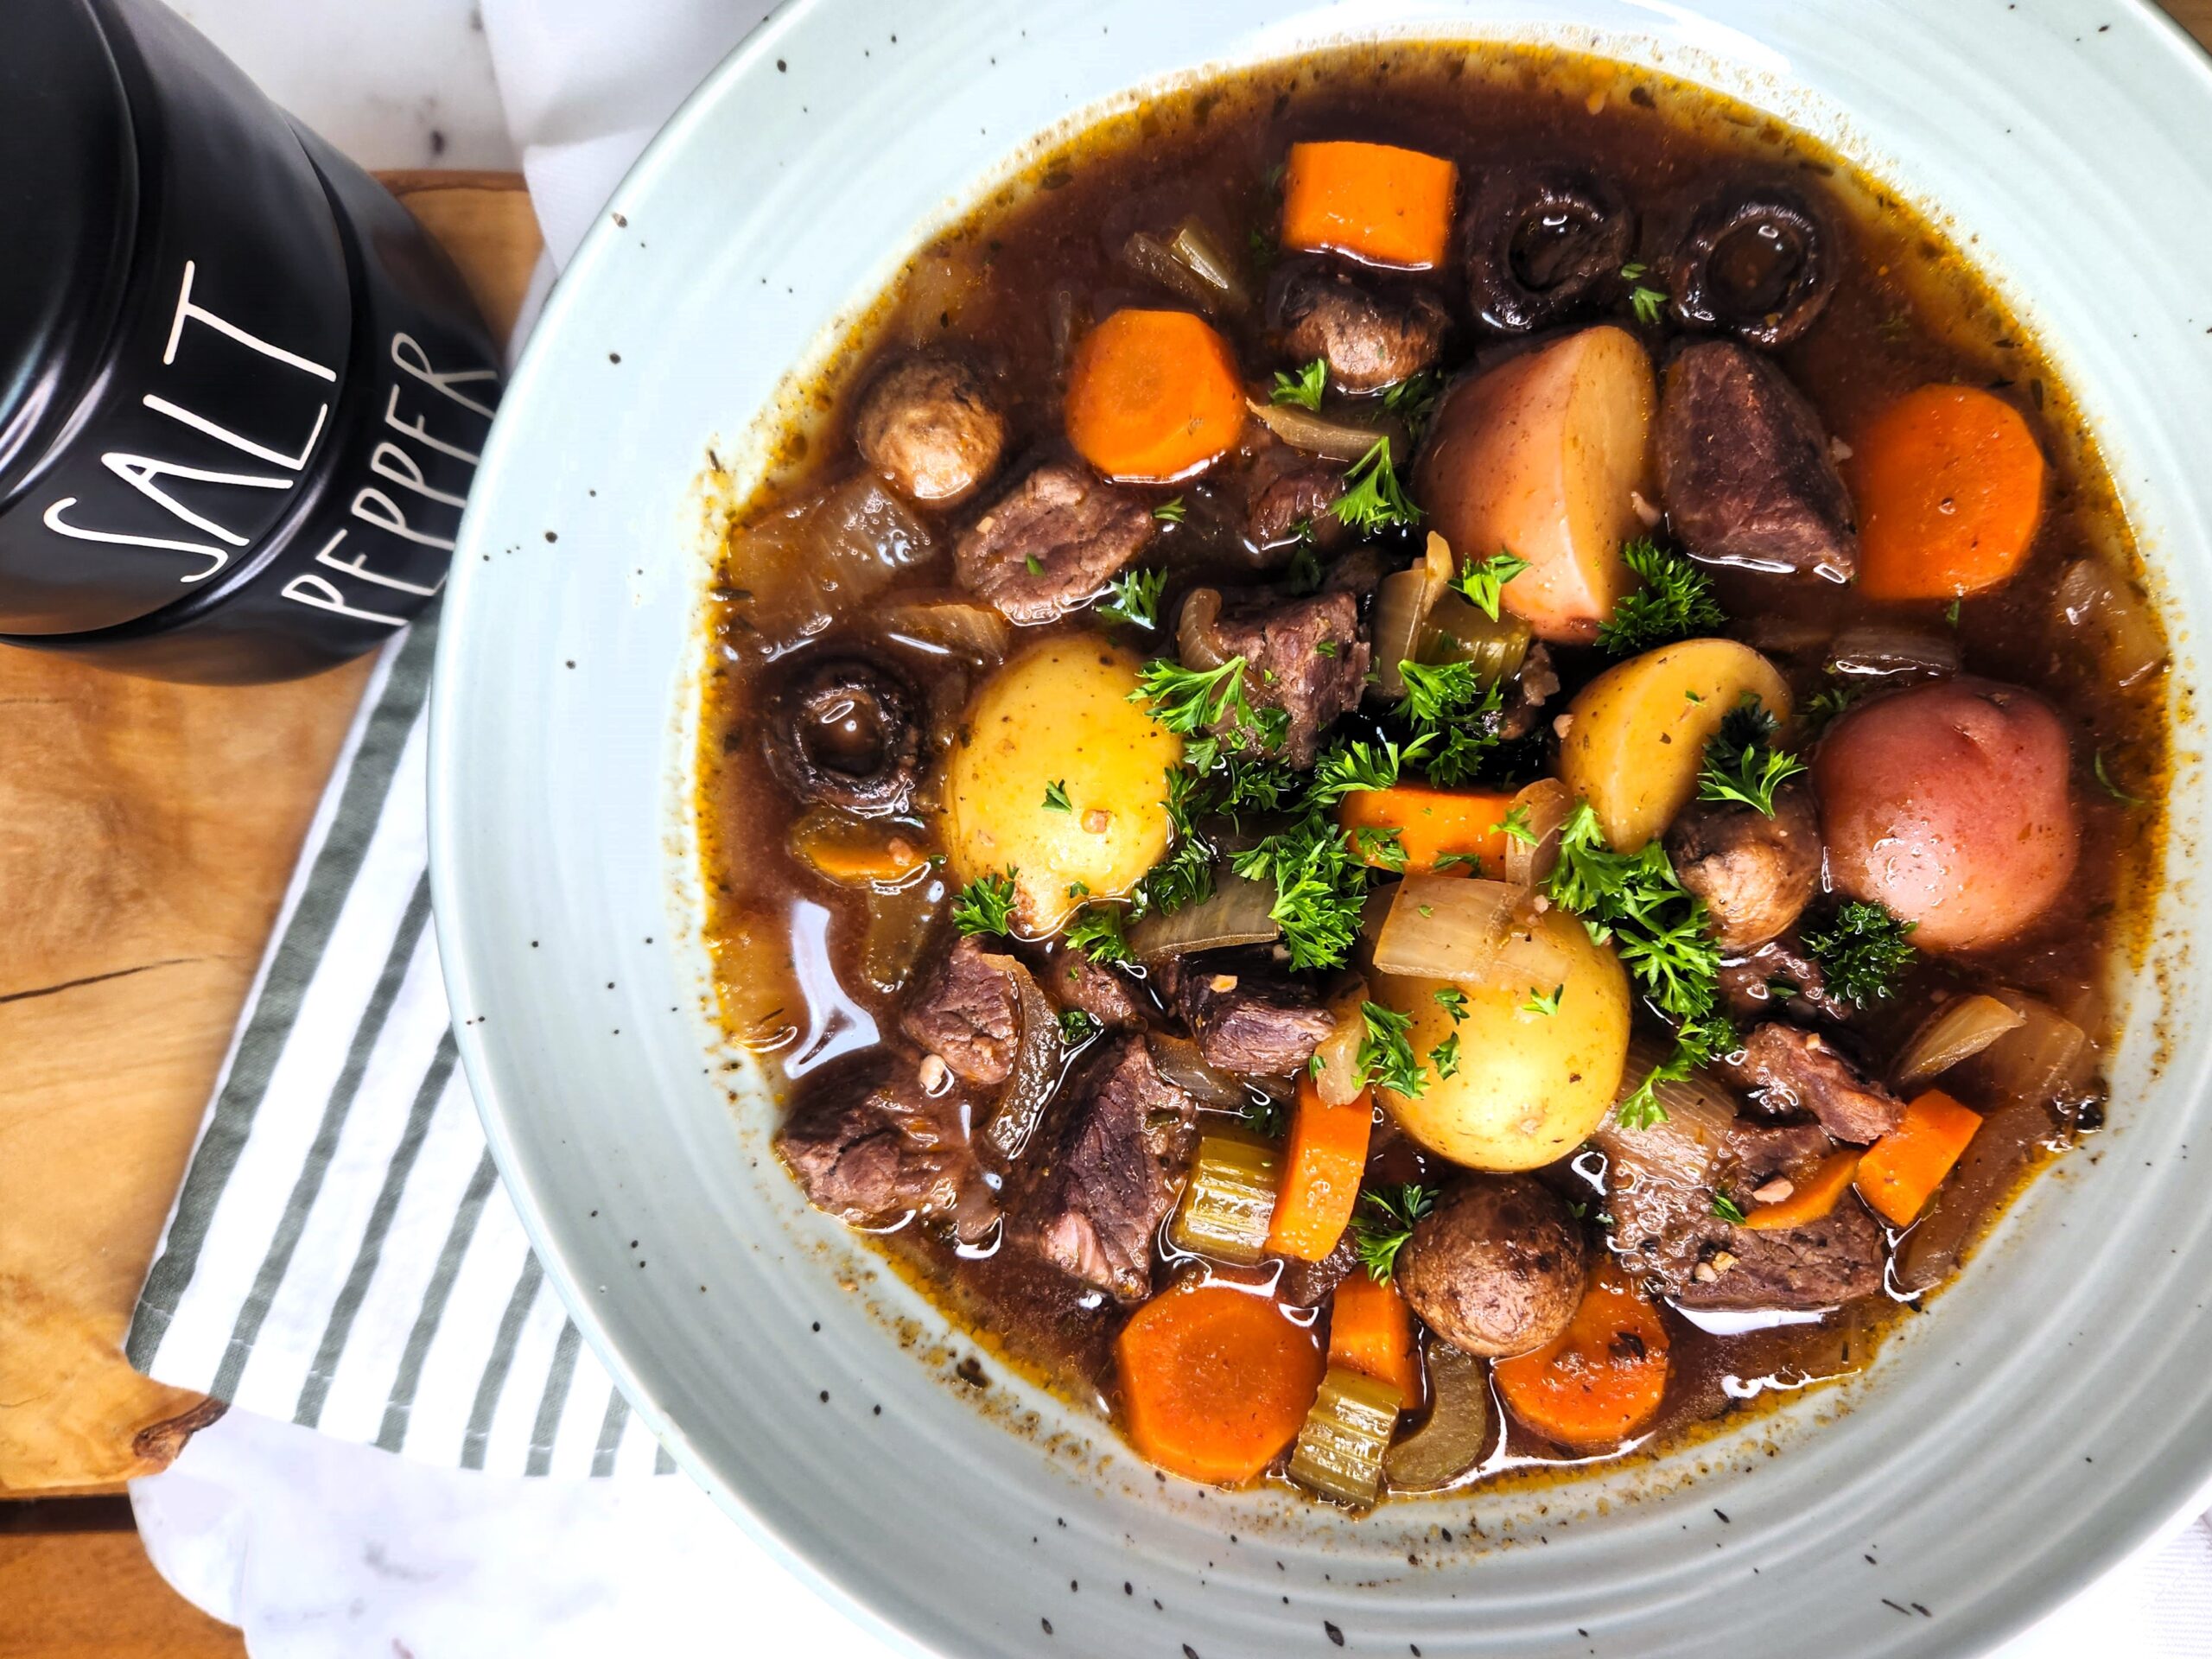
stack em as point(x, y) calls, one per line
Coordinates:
point(68, 199)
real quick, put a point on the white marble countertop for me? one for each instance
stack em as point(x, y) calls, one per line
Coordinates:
point(392, 82)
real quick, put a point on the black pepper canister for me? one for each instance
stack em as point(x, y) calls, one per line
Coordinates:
point(241, 392)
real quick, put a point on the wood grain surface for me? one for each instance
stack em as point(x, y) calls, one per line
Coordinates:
point(147, 833)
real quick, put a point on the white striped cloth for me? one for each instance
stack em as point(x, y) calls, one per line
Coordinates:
point(341, 1254)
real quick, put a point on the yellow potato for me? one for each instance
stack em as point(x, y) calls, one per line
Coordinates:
point(1059, 717)
point(1636, 734)
point(1531, 1086)
point(1539, 457)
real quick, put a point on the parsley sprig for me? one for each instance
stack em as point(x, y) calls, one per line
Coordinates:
point(1483, 584)
point(1648, 303)
point(1413, 399)
point(1384, 1221)
point(985, 904)
point(1133, 597)
point(1385, 1057)
point(1864, 952)
point(1097, 933)
point(1453, 716)
point(1373, 499)
point(1303, 389)
point(1741, 763)
point(1674, 602)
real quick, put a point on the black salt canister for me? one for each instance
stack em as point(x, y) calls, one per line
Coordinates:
point(241, 392)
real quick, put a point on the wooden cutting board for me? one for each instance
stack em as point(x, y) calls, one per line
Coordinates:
point(147, 833)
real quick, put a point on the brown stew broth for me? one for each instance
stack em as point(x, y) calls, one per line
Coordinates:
point(1907, 310)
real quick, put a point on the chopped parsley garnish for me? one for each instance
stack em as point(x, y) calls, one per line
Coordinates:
point(1077, 1027)
point(985, 904)
point(1303, 573)
point(1172, 510)
point(1386, 1054)
point(1384, 1221)
point(1262, 247)
point(1434, 691)
point(1097, 933)
point(1034, 565)
point(1453, 1000)
point(1444, 1057)
point(1648, 303)
point(1373, 500)
point(1264, 1116)
point(1380, 845)
point(1444, 861)
point(1515, 826)
point(1539, 1003)
point(1305, 388)
point(1320, 889)
point(2105, 783)
point(1450, 712)
point(1413, 399)
point(1188, 700)
point(1727, 1208)
point(1825, 705)
point(1741, 763)
point(1350, 767)
point(1674, 602)
point(1864, 952)
point(1134, 597)
point(1056, 796)
point(1482, 585)
point(1951, 614)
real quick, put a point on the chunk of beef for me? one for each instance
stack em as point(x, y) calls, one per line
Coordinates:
point(1309, 1284)
point(1358, 573)
point(1744, 467)
point(1368, 340)
point(1496, 1268)
point(1303, 656)
point(1051, 542)
point(874, 1157)
point(929, 426)
point(1755, 873)
point(1109, 1167)
point(1248, 1016)
point(1286, 488)
point(1790, 1069)
point(1526, 694)
point(1778, 975)
point(969, 1013)
point(1661, 1185)
point(1074, 981)
point(1823, 1263)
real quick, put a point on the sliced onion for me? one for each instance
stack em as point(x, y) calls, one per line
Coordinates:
point(1338, 1080)
point(1235, 913)
point(2045, 1060)
point(1700, 1115)
point(1456, 631)
point(1193, 245)
point(1321, 434)
point(960, 625)
point(1448, 1446)
point(2091, 596)
point(1150, 257)
point(1958, 1031)
point(1447, 927)
point(899, 920)
point(1061, 316)
point(1037, 1065)
point(802, 565)
point(1194, 630)
point(1877, 652)
point(1548, 802)
point(1402, 603)
point(1180, 1063)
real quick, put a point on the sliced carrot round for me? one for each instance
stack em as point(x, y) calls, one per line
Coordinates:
point(1603, 1379)
point(1215, 1381)
point(1376, 202)
point(1154, 396)
point(1949, 483)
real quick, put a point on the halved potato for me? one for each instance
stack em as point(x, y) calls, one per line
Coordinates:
point(1057, 722)
point(1637, 734)
point(1539, 457)
point(1531, 1086)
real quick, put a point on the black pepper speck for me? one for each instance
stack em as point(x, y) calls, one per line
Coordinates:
point(1333, 1633)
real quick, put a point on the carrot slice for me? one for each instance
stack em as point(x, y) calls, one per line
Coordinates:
point(1949, 483)
point(1215, 1381)
point(1371, 1330)
point(1601, 1381)
point(1900, 1172)
point(1154, 396)
point(1452, 824)
point(1811, 1198)
point(855, 851)
point(1322, 1165)
point(1376, 202)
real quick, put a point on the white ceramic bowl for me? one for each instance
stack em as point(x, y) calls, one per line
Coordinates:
point(2052, 1411)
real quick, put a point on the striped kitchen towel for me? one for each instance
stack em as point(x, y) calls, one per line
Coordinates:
point(341, 1254)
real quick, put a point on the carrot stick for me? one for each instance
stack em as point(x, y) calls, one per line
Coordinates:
point(1154, 396)
point(1371, 1330)
point(1453, 824)
point(1322, 1163)
point(1600, 1383)
point(1215, 1381)
point(1900, 1172)
point(853, 852)
point(1376, 202)
point(1811, 1198)
point(1949, 483)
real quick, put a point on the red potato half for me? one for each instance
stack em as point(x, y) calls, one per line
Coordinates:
point(1950, 802)
point(1540, 456)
